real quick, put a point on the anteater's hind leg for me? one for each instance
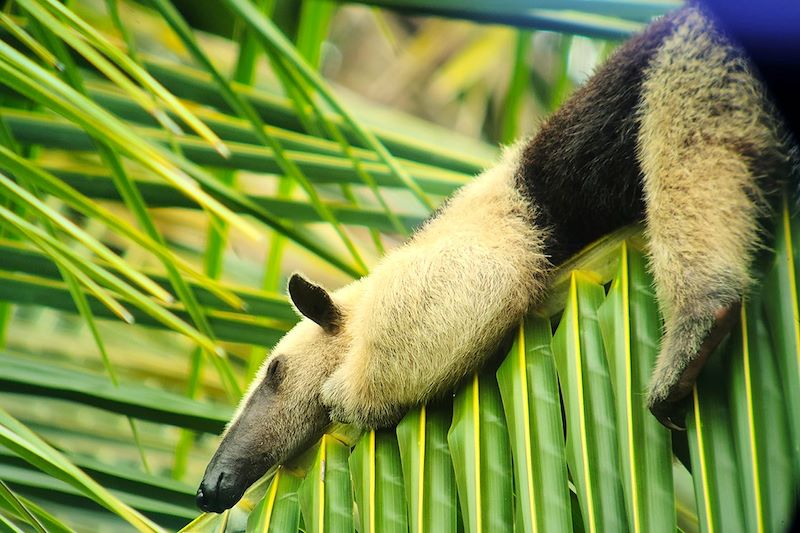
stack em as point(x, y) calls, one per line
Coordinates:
point(701, 221)
point(704, 135)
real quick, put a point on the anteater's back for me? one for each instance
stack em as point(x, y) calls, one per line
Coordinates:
point(679, 81)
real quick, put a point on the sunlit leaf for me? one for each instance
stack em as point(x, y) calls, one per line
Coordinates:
point(763, 443)
point(631, 328)
point(529, 388)
point(325, 494)
point(279, 510)
point(714, 461)
point(378, 483)
point(481, 456)
point(589, 405)
point(427, 470)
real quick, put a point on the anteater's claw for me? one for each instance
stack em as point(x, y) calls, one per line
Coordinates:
point(669, 413)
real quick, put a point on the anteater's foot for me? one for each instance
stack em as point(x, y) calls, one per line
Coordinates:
point(683, 354)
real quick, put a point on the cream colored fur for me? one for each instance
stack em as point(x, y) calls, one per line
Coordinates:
point(435, 309)
point(704, 122)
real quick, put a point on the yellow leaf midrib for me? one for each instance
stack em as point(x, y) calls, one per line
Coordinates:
point(581, 406)
point(526, 423)
point(626, 325)
point(748, 386)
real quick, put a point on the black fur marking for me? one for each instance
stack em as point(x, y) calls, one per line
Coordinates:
point(315, 303)
point(581, 169)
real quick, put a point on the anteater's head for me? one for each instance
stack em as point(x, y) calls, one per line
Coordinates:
point(281, 413)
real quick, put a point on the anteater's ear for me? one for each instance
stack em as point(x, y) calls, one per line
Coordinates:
point(315, 303)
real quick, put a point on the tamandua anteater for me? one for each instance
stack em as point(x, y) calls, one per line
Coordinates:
point(674, 129)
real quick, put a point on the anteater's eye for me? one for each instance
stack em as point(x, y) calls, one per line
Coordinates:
point(275, 372)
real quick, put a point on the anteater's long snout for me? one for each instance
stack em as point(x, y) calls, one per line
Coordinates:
point(269, 429)
point(238, 462)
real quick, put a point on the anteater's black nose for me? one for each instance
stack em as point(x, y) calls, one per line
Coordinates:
point(211, 496)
